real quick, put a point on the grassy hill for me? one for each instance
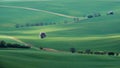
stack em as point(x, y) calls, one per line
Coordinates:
point(98, 33)
point(55, 60)
point(92, 33)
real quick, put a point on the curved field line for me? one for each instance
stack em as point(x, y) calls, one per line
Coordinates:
point(36, 48)
point(15, 39)
point(33, 9)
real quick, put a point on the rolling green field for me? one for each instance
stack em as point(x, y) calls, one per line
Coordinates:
point(98, 33)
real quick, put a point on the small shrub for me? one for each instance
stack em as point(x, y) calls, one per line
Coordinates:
point(73, 50)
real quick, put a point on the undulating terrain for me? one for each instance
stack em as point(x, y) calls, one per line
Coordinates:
point(21, 21)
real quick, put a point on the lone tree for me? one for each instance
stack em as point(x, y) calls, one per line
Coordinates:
point(73, 50)
point(43, 35)
point(110, 13)
point(17, 25)
point(90, 16)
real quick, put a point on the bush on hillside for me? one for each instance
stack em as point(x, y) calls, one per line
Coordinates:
point(2, 44)
point(43, 35)
point(110, 13)
point(17, 25)
point(88, 51)
point(90, 16)
point(73, 50)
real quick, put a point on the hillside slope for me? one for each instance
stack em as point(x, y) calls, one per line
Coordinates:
point(98, 33)
point(37, 59)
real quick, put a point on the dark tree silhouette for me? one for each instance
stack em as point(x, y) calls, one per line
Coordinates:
point(110, 13)
point(73, 50)
point(43, 35)
point(90, 16)
point(88, 51)
point(17, 25)
point(2, 44)
point(111, 53)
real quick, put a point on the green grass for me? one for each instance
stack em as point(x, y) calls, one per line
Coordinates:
point(75, 8)
point(98, 34)
point(55, 60)
point(8, 39)
point(21, 16)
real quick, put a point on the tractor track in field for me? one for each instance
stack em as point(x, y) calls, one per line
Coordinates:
point(16, 39)
point(39, 10)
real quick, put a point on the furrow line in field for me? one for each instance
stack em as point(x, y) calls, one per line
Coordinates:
point(39, 10)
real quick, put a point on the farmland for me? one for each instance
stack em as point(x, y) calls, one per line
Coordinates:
point(97, 33)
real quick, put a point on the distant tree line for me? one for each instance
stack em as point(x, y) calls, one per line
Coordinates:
point(98, 14)
point(4, 44)
point(88, 51)
point(34, 24)
point(93, 15)
point(75, 20)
